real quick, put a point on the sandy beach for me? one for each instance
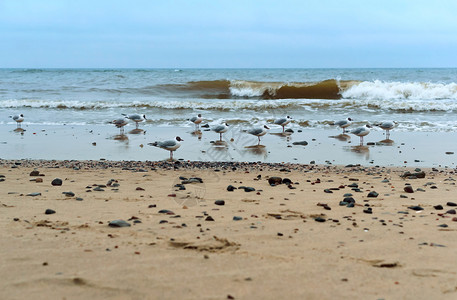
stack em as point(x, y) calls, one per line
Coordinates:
point(192, 236)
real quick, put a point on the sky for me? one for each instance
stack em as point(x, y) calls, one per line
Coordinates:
point(227, 34)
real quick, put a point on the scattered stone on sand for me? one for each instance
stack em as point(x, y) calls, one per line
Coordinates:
point(237, 218)
point(219, 202)
point(408, 189)
point(274, 180)
point(372, 194)
point(301, 143)
point(35, 173)
point(231, 188)
point(416, 208)
point(69, 194)
point(49, 211)
point(166, 211)
point(119, 223)
point(34, 194)
point(438, 207)
point(56, 182)
point(451, 204)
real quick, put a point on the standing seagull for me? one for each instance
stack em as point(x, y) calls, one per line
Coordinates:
point(196, 120)
point(283, 122)
point(258, 132)
point(135, 118)
point(361, 132)
point(19, 119)
point(343, 124)
point(220, 129)
point(387, 126)
point(170, 145)
point(120, 123)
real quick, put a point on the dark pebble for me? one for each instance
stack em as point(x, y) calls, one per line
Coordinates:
point(69, 194)
point(166, 211)
point(274, 180)
point(219, 202)
point(416, 208)
point(286, 181)
point(443, 225)
point(231, 188)
point(319, 219)
point(438, 207)
point(451, 204)
point(56, 182)
point(49, 211)
point(372, 194)
point(34, 194)
point(301, 143)
point(451, 211)
point(237, 218)
point(368, 210)
point(408, 189)
point(209, 218)
point(328, 191)
point(35, 173)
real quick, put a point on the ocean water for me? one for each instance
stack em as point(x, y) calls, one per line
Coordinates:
point(418, 99)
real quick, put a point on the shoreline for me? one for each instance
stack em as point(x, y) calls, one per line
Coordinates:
point(194, 239)
point(410, 149)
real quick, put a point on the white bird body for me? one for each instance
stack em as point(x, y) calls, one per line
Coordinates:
point(18, 118)
point(387, 126)
point(344, 123)
point(196, 120)
point(137, 118)
point(258, 132)
point(220, 129)
point(120, 123)
point(361, 132)
point(283, 122)
point(170, 145)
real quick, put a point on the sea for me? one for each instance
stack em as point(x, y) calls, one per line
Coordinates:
point(418, 99)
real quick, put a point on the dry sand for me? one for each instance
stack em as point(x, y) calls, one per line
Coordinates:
point(276, 251)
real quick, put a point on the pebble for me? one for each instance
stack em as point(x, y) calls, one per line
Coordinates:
point(35, 173)
point(416, 208)
point(237, 218)
point(39, 180)
point(274, 180)
point(56, 182)
point(219, 202)
point(119, 223)
point(319, 219)
point(209, 218)
point(34, 194)
point(438, 207)
point(368, 210)
point(231, 188)
point(301, 143)
point(49, 211)
point(372, 194)
point(451, 204)
point(166, 211)
point(69, 194)
point(408, 189)
point(451, 212)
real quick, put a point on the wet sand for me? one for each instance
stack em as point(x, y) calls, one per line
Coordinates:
point(324, 146)
point(292, 240)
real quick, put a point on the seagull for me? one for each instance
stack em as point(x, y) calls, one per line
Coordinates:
point(258, 132)
point(343, 124)
point(361, 132)
point(196, 120)
point(283, 122)
point(220, 129)
point(120, 123)
point(135, 118)
point(170, 145)
point(19, 119)
point(387, 126)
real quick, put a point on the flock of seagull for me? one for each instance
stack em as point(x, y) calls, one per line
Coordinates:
point(173, 145)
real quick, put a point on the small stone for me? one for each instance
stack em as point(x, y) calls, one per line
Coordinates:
point(39, 180)
point(49, 211)
point(166, 211)
point(35, 173)
point(237, 218)
point(69, 194)
point(451, 204)
point(451, 212)
point(368, 210)
point(139, 189)
point(286, 181)
point(408, 189)
point(372, 194)
point(34, 194)
point(301, 143)
point(231, 188)
point(328, 191)
point(319, 219)
point(119, 223)
point(416, 208)
point(56, 182)
point(209, 218)
point(274, 180)
point(438, 207)
point(219, 202)
point(248, 189)
point(443, 225)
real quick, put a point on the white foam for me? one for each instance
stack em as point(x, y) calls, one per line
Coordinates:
point(378, 90)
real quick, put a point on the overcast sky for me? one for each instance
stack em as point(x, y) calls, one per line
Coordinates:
point(228, 34)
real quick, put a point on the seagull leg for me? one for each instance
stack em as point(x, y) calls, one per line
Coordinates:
point(136, 125)
point(283, 129)
point(171, 155)
point(259, 141)
point(387, 134)
point(220, 139)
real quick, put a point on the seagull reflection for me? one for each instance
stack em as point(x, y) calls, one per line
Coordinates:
point(341, 137)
